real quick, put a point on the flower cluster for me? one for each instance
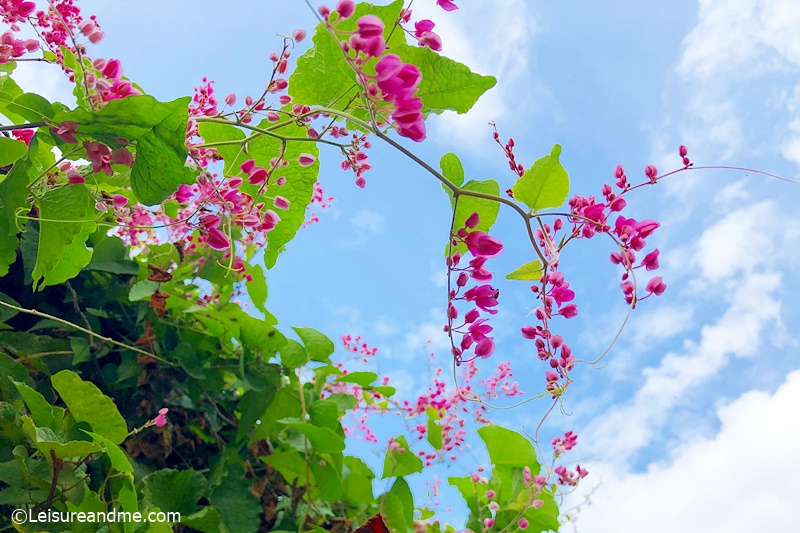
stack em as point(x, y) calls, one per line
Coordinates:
point(474, 329)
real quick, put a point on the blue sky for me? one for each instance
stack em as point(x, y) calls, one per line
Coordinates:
point(692, 424)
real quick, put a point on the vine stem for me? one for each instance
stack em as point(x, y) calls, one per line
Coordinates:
point(84, 330)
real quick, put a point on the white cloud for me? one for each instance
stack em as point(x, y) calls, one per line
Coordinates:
point(428, 335)
point(370, 222)
point(503, 50)
point(733, 262)
point(45, 80)
point(743, 479)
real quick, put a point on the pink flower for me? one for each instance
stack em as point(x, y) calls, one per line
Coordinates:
point(122, 156)
point(67, 130)
point(113, 69)
point(656, 286)
point(299, 35)
point(100, 156)
point(119, 201)
point(447, 5)
point(161, 418)
point(494, 506)
point(650, 261)
point(484, 296)
point(306, 160)
point(485, 348)
point(395, 78)
point(490, 494)
point(218, 240)
point(651, 172)
point(488, 522)
point(73, 178)
point(345, 8)
point(569, 311)
point(523, 523)
point(482, 245)
point(370, 26)
point(562, 294)
point(526, 474)
point(529, 332)
point(281, 203)
point(183, 194)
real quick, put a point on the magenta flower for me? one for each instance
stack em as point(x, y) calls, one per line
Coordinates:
point(447, 5)
point(569, 311)
point(345, 8)
point(529, 332)
point(281, 203)
point(656, 286)
point(122, 156)
point(119, 201)
point(523, 523)
point(562, 294)
point(218, 240)
point(161, 417)
point(184, 194)
point(482, 245)
point(370, 26)
point(485, 348)
point(650, 261)
point(306, 160)
point(484, 296)
point(67, 130)
point(395, 78)
point(100, 156)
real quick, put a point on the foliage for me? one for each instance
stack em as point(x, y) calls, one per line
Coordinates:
point(133, 380)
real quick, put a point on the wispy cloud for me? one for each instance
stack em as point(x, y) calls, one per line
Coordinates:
point(496, 42)
point(740, 480)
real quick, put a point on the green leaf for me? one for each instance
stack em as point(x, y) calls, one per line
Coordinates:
point(115, 453)
point(88, 404)
point(401, 464)
point(30, 106)
point(322, 76)
point(434, 430)
point(142, 290)
point(452, 169)
point(446, 84)
point(507, 447)
point(290, 464)
point(11, 150)
point(358, 482)
point(257, 287)
point(293, 354)
point(6, 313)
point(46, 441)
point(171, 209)
point(9, 90)
point(110, 255)
point(298, 189)
point(67, 220)
point(41, 411)
point(234, 155)
point(365, 379)
point(173, 490)
point(159, 132)
point(528, 272)
point(487, 209)
point(80, 350)
point(328, 480)
point(399, 506)
point(285, 404)
point(14, 198)
point(318, 346)
point(239, 509)
point(322, 439)
point(545, 184)
point(205, 520)
point(468, 491)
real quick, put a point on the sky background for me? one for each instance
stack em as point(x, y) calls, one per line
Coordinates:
point(693, 423)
